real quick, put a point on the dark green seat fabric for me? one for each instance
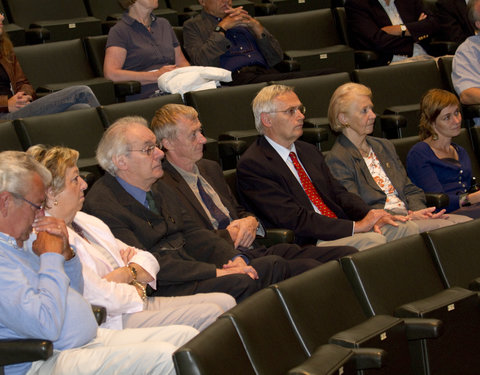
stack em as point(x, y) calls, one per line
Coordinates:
point(80, 130)
point(53, 66)
point(64, 19)
point(312, 39)
point(401, 278)
point(458, 261)
point(322, 307)
point(8, 137)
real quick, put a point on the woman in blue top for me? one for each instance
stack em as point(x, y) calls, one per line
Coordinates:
point(438, 165)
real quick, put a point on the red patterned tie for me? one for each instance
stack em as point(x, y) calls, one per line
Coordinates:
point(310, 189)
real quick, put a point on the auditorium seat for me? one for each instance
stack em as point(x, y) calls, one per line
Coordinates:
point(266, 333)
point(401, 278)
point(398, 89)
point(322, 308)
point(110, 11)
point(80, 130)
point(295, 6)
point(8, 137)
point(24, 350)
point(64, 19)
point(54, 66)
point(95, 47)
point(15, 32)
point(458, 263)
point(311, 38)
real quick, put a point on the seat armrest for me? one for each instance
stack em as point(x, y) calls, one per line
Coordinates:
point(100, 313)
point(421, 328)
point(265, 9)
point(439, 200)
point(287, 66)
point(391, 125)
point(28, 350)
point(276, 235)
point(37, 35)
point(366, 358)
point(327, 359)
point(124, 88)
point(229, 148)
point(316, 122)
point(366, 59)
point(474, 285)
point(314, 135)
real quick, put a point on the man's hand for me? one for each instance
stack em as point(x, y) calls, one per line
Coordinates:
point(52, 237)
point(427, 213)
point(240, 17)
point(237, 266)
point(17, 101)
point(369, 221)
point(243, 231)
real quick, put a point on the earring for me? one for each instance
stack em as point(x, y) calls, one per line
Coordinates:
point(346, 125)
point(434, 137)
point(55, 202)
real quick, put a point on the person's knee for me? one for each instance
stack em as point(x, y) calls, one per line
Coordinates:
point(225, 301)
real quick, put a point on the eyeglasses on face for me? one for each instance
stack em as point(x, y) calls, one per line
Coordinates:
point(148, 150)
point(293, 110)
point(35, 206)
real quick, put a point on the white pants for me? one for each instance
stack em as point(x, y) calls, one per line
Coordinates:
point(129, 351)
point(198, 310)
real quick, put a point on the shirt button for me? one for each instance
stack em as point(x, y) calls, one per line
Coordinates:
point(241, 48)
point(461, 170)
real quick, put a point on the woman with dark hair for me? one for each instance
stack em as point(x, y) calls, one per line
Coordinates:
point(437, 164)
point(17, 96)
point(141, 47)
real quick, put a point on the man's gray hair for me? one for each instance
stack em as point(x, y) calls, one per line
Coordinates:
point(263, 102)
point(16, 172)
point(473, 15)
point(114, 142)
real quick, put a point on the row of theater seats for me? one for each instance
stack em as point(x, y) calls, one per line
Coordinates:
point(38, 21)
point(404, 306)
point(226, 113)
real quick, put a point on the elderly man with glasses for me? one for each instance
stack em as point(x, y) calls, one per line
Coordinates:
point(287, 183)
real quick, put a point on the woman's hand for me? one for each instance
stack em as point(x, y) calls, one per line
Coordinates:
point(17, 101)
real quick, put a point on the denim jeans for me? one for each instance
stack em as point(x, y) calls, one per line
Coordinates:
point(56, 102)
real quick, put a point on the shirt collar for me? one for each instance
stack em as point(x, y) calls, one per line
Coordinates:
point(137, 193)
point(130, 21)
point(189, 177)
point(281, 150)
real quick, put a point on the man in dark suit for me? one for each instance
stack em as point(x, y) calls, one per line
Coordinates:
point(400, 33)
point(454, 22)
point(179, 131)
point(288, 184)
point(147, 214)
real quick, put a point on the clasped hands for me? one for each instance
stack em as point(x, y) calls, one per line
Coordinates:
point(237, 266)
point(240, 17)
point(52, 237)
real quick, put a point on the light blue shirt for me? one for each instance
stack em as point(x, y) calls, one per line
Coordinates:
point(41, 297)
point(137, 193)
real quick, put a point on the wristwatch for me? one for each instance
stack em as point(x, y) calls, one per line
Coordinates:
point(404, 29)
point(219, 29)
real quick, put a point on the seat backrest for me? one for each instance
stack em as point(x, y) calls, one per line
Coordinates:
point(445, 67)
point(8, 137)
point(407, 83)
point(145, 108)
point(212, 352)
point(25, 12)
point(391, 275)
point(95, 46)
point(304, 30)
point(294, 6)
point(103, 8)
point(224, 109)
point(269, 339)
point(57, 62)
point(458, 264)
point(80, 130)
point(341, 20)
point(463, 139)
point(320, 303)
point(403, 146)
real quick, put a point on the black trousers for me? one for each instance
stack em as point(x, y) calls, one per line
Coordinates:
point(270, 269)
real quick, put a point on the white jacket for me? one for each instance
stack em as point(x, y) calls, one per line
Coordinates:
point(117, 298)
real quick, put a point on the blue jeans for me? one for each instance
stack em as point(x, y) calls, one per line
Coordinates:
point(58, 101)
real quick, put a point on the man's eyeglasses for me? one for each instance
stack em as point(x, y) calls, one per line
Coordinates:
point(36, 206)
point(148, 150)
point(293, 110)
